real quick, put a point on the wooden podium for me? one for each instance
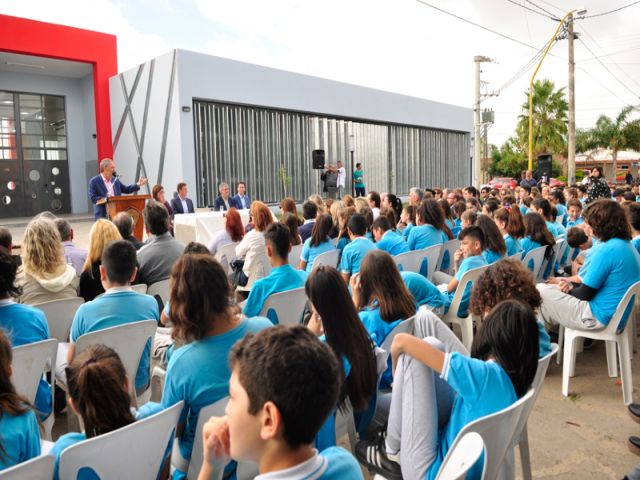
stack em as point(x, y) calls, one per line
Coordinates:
point(133, 205)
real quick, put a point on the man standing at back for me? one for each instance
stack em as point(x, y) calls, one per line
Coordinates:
point(182, 204)
point(161, 251)
point(107, 185)
point(241, 199)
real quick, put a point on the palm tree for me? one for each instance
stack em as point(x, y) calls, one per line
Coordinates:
point(549, 119)
point(616, 135)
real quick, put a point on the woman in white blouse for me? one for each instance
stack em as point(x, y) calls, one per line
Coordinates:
point(233, 231)
point(252, 247)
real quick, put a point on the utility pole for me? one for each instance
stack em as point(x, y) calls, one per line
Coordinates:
point(571, 147)
point(477, 161)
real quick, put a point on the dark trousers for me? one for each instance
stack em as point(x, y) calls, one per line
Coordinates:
point(360, 192)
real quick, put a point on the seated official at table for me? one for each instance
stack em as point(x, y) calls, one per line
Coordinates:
point(182, 204)
point(107, 185)
point(243, 202)
point(224, 202)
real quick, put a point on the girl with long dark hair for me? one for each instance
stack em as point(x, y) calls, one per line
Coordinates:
point(318, 243)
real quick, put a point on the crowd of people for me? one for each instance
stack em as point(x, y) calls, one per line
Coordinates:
point(285, 384)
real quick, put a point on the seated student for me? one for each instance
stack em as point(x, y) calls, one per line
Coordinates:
point(206, 326)
point(309, 213)
point(386, 239)
point(284, 384)
point(490, 207)
point(458, 209)
point(118, 306)
point(536, 235)
point(283, 276)
point(449, 219)
point(430, 229)
point(98, 390)
point(543, 207)
point(633, 212)
point(589, 300)
point(468, 218)
point(19, 432)
point(438, 390)
point(423, 291)
point(577, 238)
point(510, 222)
point(382, 299)
point(557, 200)
point(22, 324)
point(504, 280)
point(357, 247)
point(467, 258)
point(335, 318)
point(574, 213)
point(494, 245)
point(343, 227)
point(407, 220)
point(318, 243)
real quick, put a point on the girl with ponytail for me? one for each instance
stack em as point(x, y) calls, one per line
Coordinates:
point(19, 433)
point(510, 222)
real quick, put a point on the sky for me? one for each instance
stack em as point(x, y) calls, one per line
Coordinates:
point(401, 46)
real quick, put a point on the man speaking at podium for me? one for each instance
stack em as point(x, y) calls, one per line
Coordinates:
point(108, 185)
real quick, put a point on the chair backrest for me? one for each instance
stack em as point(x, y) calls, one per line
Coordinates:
point(461, 458)
point(470, 276)
point(625, 308)
point(128, 341)
point(139, 287)
point(161, 288)
point(562, 248)
point(34, 469)
point(226, 254)
point(294, 255)
point(59, 315)
point(288, 307)
point(432, 255)
point(214, 410)
point(537, 256)
point(549, 261)
point(184, 233)
point(329, 258)
point(405, 326)
point(29, 362)
point(135, 451)
point(409, 261)
point(451, 246)
point(497, 431)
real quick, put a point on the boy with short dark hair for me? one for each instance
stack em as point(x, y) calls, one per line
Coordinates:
point(386, 239)
point(357, 248)
point(284, 384)
point(574, 211)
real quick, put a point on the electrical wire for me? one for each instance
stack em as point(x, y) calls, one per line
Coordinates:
point(551, 5)
point(597, 57)
point(551, 15)
point(624, 102)
point(602, 14)
point(531, 9)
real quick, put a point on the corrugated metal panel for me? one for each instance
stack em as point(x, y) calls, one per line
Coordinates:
point(236, 143)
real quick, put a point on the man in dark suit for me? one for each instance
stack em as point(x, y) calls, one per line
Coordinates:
point(309, 213)
point(107, 185)
point(241, 198)
point(224, 202)
point(182, 204)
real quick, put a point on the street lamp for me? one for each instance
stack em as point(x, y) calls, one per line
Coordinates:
point(581, 11)
point(352, 148)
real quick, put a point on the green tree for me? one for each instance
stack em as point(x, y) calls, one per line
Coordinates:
point(616, 134)
point(549, 120)
point(508, 160)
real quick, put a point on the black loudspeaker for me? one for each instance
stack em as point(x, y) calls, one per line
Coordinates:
point(317, 157)
point(544, 165)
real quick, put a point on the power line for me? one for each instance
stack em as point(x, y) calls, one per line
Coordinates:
point(596, 57)
point(527, 66)
point(551, 15)
point(551, 5)
point(602, 14)
point(531, 9)
point(624, 102)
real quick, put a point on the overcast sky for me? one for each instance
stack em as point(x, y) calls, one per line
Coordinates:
point(396, 45)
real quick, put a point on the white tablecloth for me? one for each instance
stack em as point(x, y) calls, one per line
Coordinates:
point(205, 224)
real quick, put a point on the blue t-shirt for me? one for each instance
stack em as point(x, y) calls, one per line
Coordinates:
point(467, 264)
point(528, 245)
point(424, 292)
point(450, 223)
point(425, 236)
point(357, 178)
point(544, 344)
point(555, 228)
point(614, 266)
point(392, 243)
point(482, 388)
point(24, 324)
point(562, 210)
point(199, 373)
point(407, 230)
point(636, 243)
point(353, 254)
point(310, 253)
point(20, 438)
point(574, 223)
point(113, 309)
point(279, 280)
point(491, 256)
point(513, 245)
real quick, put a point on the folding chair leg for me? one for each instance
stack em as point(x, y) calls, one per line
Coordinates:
point(560, 344)
point(612, 364)
point(569, 362)
point(625, 369)
point(525, 458)
point(466, 328)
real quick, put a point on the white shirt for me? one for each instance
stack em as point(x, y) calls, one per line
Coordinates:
point(250, 248)
point(376, 212)
point(243, 201)
point(109, 185)
point(315, 467)
point(185, 207)
point(341, 177)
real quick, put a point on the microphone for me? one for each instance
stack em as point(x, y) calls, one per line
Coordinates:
point(114, 174)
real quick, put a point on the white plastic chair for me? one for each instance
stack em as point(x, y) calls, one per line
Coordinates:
point(405, 326)
point(294, 255)
point(226, 254)
point(260, 268)
point(551, 260)
point(139, 288)
point(135, 451)
point(184, 233)
point(460, 459)
point(409, 261)
point(562, 248)
point(30, 361)
point(161, 288)
point(288, 306)
point(465, 323)
point(34, 469)
point(59, 315)
point(128, 341)
point(537, 256)
point(451, 246)
point(613, 334)
point(329, 258)
point(432, 254)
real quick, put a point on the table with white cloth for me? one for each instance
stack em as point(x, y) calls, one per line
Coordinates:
point(205, 224)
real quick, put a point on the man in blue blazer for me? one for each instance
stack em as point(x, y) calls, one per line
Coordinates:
point(241, 198)
point(224, 202)
point(179, 203)
point(107, 185)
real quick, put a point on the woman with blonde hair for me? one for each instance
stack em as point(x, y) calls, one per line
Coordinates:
point(360, 203)
point(317, 199)
point(44, 274)
point(102, 232)
point(252, 247)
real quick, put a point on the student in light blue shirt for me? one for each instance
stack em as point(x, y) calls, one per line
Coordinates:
point(574, 213)
point(407, 220)
point(633, 212)
point(423, 291)
point(357, 248)
point(536, 235)
point(510, 222)
point(19, 433)
point(492, 379)
point(544, 208)
point(494, 244)
point(431, 229)
point(281, 377)
point(119, 305)
point(318, 243)
point(283, 276)
point(386, 239)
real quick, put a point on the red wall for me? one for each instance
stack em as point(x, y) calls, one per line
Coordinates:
point(40, 39)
